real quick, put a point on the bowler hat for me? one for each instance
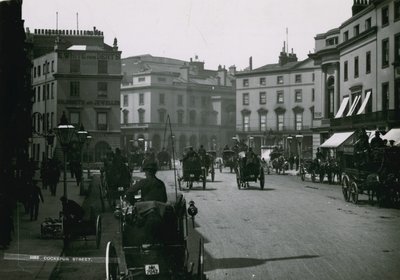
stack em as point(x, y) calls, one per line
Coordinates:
point(150, 166)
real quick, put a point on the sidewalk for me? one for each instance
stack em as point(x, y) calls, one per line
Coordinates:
point(26, 239)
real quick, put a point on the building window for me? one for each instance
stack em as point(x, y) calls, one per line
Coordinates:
point(313, 77)
point(141, 98)
point(126, 100)
point(34, 95)
point(38, 93)
point(345, 36)
point(102, 89)
point(204, 101)
point(263, 81)
point(74, 89)
point(245, 82)
point(75, 118)
point(246, 99)
point(356, 30)
point(396, 10)
point(263, 122)
point(368, 62)
point(397, 48)
point(180, 100)
point(180, 117)
point(298, 121)
point(192, 117)
point(263, 97)
point(161, 116)
point(246, 123)
point(298, 96)
point(52, 90)
point(368, 107)
point(141, 115)
point(385, 53)
point(385, 16)
point(312, 94)
point(142, 79)
point(101, 120)
point(279, 80)
point(75, 65)
point(52, 66)
point(43, 92)
point(368, 23)
point(34, 72)
point(161, 99)
point(125, 115)
point(280, 122)
point(192, 100)
point(346, 71)
point(47, 91)
point(385, 96)
point(102, 67)
point(298, 78)
point(279, 96)
point(356, 67)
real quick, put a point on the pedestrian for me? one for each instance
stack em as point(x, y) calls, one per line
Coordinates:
point(53, 174)
point(291, 161)
point(296, 162)
point(6, 221)
point(44, 174)
point(34, 200)
point(72, 211)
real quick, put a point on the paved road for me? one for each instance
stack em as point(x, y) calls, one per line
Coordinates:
point(290, 230)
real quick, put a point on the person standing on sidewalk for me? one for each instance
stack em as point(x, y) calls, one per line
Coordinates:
point(34, 200)
point(53, 174)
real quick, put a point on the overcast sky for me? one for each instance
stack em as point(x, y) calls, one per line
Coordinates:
point(225, 32)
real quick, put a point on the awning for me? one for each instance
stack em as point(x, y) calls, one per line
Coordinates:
point(365, 102)
point(353, 106)
point(336, 139)
point(342, 107)
point(393, 134)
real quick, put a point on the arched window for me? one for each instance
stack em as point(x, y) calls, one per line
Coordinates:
point(330, 94)
point(192, 117)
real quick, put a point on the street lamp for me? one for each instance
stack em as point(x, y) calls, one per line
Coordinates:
point(64, 133)
point(82, 133)
point(299, 138)
point(88, 140)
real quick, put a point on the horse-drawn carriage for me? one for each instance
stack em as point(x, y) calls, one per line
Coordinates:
point(135, 160)
point(277, 162)
point(193, 170)
point(153, 243)
point(375, 172)
point(164, 160)
point(80, 228)
point(249, 170)
point(229, 159)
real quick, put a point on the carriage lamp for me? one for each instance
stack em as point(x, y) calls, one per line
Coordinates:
point(192, 210)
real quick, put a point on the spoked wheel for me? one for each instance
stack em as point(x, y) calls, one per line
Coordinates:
point(112, 268)
point(302, 174)
point(346, 188)
point(98, 231)
point(262, 178)
point(354, 192)
point(200, 261)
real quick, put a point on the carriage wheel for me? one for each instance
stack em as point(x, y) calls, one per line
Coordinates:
point(313, 176)
point(354, 192)
point(112, 268)
point(200, 261)
point(346, 188)
point(262, 178)
point(98, 231)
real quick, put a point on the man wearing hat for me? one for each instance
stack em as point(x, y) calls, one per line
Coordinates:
point(151, 188)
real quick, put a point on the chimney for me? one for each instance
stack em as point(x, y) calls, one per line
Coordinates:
point(221, 75)
point(358, 6)
point(232, 70)
point(251, 63)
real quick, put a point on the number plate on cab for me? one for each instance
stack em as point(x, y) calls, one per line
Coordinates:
point(152, 269)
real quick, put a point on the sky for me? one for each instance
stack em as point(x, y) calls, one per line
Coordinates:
point(218, 32)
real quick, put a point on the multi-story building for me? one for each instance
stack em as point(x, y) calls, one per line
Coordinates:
point(276, 101)
point(75, 73)
point(200, 104)
point(360, 63)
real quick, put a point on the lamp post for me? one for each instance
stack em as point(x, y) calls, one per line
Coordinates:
point(64, 133)
point(82, 133)
point(88, 140)
point(299, 138)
